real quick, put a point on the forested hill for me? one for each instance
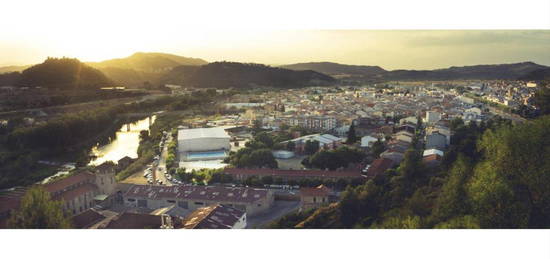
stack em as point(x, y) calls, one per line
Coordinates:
point(495, 175)
point(141, 67)
point(61, 73)
point(240, 75)
point(541, 74)
point(150, 62)
point(481, 72)
point(335, 69)
point(500, 71)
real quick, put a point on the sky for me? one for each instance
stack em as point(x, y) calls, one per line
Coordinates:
point(99, 30)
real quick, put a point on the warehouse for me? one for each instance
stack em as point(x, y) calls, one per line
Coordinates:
point(250, 200)
point(203, 144)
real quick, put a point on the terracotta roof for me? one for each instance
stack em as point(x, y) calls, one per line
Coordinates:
point(379, 166)
point(213, 217)
point(293, 173)
point(208, 193)
point(320, 190)
point(9, 203)
point(87, 218)
point(10, 200)
point(71, 194)
point(69, 181)
point(131, 220)
point(433, 158)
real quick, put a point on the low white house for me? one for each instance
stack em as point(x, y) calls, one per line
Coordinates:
point(368, 141)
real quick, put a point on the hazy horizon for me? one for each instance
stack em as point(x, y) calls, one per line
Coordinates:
point(389, 49)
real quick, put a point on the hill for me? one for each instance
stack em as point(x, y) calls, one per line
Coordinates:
point(9, 69)
point(335, 69)
point(240, 75)
point(483, 72)
point(537, 75)
point(63, 73)
point(143, 67)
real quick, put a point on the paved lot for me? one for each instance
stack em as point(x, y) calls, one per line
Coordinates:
point(279, 209)
point(294, 163)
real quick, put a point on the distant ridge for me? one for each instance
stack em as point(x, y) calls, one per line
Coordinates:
point(143, 67)
point(334, 69)
point(241, 75)
point(481, 72)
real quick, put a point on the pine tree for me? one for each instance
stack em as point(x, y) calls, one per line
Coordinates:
point(352, 138)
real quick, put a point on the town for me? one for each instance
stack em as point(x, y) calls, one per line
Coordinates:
point(274, 153)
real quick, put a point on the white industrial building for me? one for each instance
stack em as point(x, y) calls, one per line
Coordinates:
point(203, 143)
point(432, 117)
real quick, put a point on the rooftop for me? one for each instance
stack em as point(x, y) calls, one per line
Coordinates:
point(209, 193)
point(293, 173)
point(213, 217)
point(198, 133)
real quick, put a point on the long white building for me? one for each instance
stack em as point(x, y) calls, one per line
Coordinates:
point(203, 143)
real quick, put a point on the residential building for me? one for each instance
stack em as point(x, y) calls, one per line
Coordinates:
point(315, 197)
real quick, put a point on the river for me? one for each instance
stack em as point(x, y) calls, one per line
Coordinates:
point(125, 143)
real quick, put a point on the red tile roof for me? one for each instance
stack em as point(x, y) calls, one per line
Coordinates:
point(379, 166)
point(69, 181)
point(130, 220)
point(293, 173)
point(87, 218)
point(320, 190)
point(71, 194)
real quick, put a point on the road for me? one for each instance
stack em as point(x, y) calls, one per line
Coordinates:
point(161, 168)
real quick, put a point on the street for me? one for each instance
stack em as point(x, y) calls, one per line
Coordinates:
point(161, 168)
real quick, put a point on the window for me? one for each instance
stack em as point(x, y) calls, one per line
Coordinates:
point(171, 201)
point(314, 199)
point(101, 180)
point(142, 203)
point(182, 204)
point(131, 200)
point(199, 203)
point(259, 205)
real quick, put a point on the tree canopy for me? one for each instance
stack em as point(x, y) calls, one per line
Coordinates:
point(38, 210)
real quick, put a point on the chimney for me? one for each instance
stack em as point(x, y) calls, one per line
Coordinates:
point(166, 222)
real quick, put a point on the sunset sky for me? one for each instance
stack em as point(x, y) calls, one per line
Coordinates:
point(97, 31)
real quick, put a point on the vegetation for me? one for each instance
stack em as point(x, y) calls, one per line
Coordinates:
point(352, 138)
point(37, 210)
point(494, 176)
point(334, 159)
point(257, 153)
point(63, 73)
point(239, 75)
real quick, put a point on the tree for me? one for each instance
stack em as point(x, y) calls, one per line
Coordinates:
point(311, 147)
point(37, 210)
point(352, 138)
point(144, 135)
point(542, 100)
point(290, 146)
point(377, 148)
